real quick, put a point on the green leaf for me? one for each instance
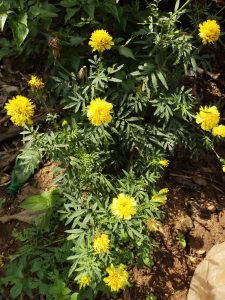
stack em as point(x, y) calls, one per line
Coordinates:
point(110, 7)
point(162, 79)
point(70, 12)
point(154, 82)
point(125, 51)
point(69, 3)
point(90, 8)
point(16, 290)
point(74, 296)
point(3, 18)
point(35, 203)
point(76, 40)
point(19, 29)
point(177, 4)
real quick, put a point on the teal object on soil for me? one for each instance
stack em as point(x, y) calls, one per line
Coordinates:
point(20, 174)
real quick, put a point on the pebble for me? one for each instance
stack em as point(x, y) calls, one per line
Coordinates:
point(201, 252)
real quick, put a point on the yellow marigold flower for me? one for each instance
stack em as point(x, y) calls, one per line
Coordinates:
point(124, 206)
point(153, 225)
point(101, 243)
point(209, 31)
point(219, 131)
point(100, 40)
point(223, 168)
point(164, 163)
point(98, 112)
point(36, 83)
point(208, 117)
point(84, 281)
point(21, 110)
point(117, 279)
point(160, 197)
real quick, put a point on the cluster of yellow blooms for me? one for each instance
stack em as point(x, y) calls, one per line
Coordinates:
point(117, 278)
point(101, 243)
point(20, 108)
point(209, 118)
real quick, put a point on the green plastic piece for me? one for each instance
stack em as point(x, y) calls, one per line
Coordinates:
point(20, 175)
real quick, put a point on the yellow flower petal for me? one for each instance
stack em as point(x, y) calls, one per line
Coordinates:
point(124, 206)
point(100, 40)
point(117, 278)
point(21, 110)
point(101, 243)
point(98, 112)
point(208, 117)
point(209, 31)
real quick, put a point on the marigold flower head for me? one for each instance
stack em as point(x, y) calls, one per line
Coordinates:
point(209, 31)
point(101, 243)
point(21, 110)
point(208, 117)
point(124, 206)
point(117, 279)
point(36, 83)
point(84, 281)
point(164, 163)
point(153, 225)
point(219, 131)
point(223, 168)
point(100, 40)
point(98, 112)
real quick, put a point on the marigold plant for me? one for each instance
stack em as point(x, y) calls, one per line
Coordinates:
point(209, 31)
point(99, 112)
point(21, 110)
point(208, 117)
point(101, 40)
point(117, 277)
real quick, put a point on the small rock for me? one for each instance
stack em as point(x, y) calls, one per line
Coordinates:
point(192, 259)
point(211, 208)
point(201, 252)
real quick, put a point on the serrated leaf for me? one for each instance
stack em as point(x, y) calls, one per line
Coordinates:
point(125, 51)
point(154, 82)
point(162, 79)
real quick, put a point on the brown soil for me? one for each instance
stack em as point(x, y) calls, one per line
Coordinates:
point(196, 208)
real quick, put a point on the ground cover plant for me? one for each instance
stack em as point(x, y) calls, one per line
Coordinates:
point(114, 110)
